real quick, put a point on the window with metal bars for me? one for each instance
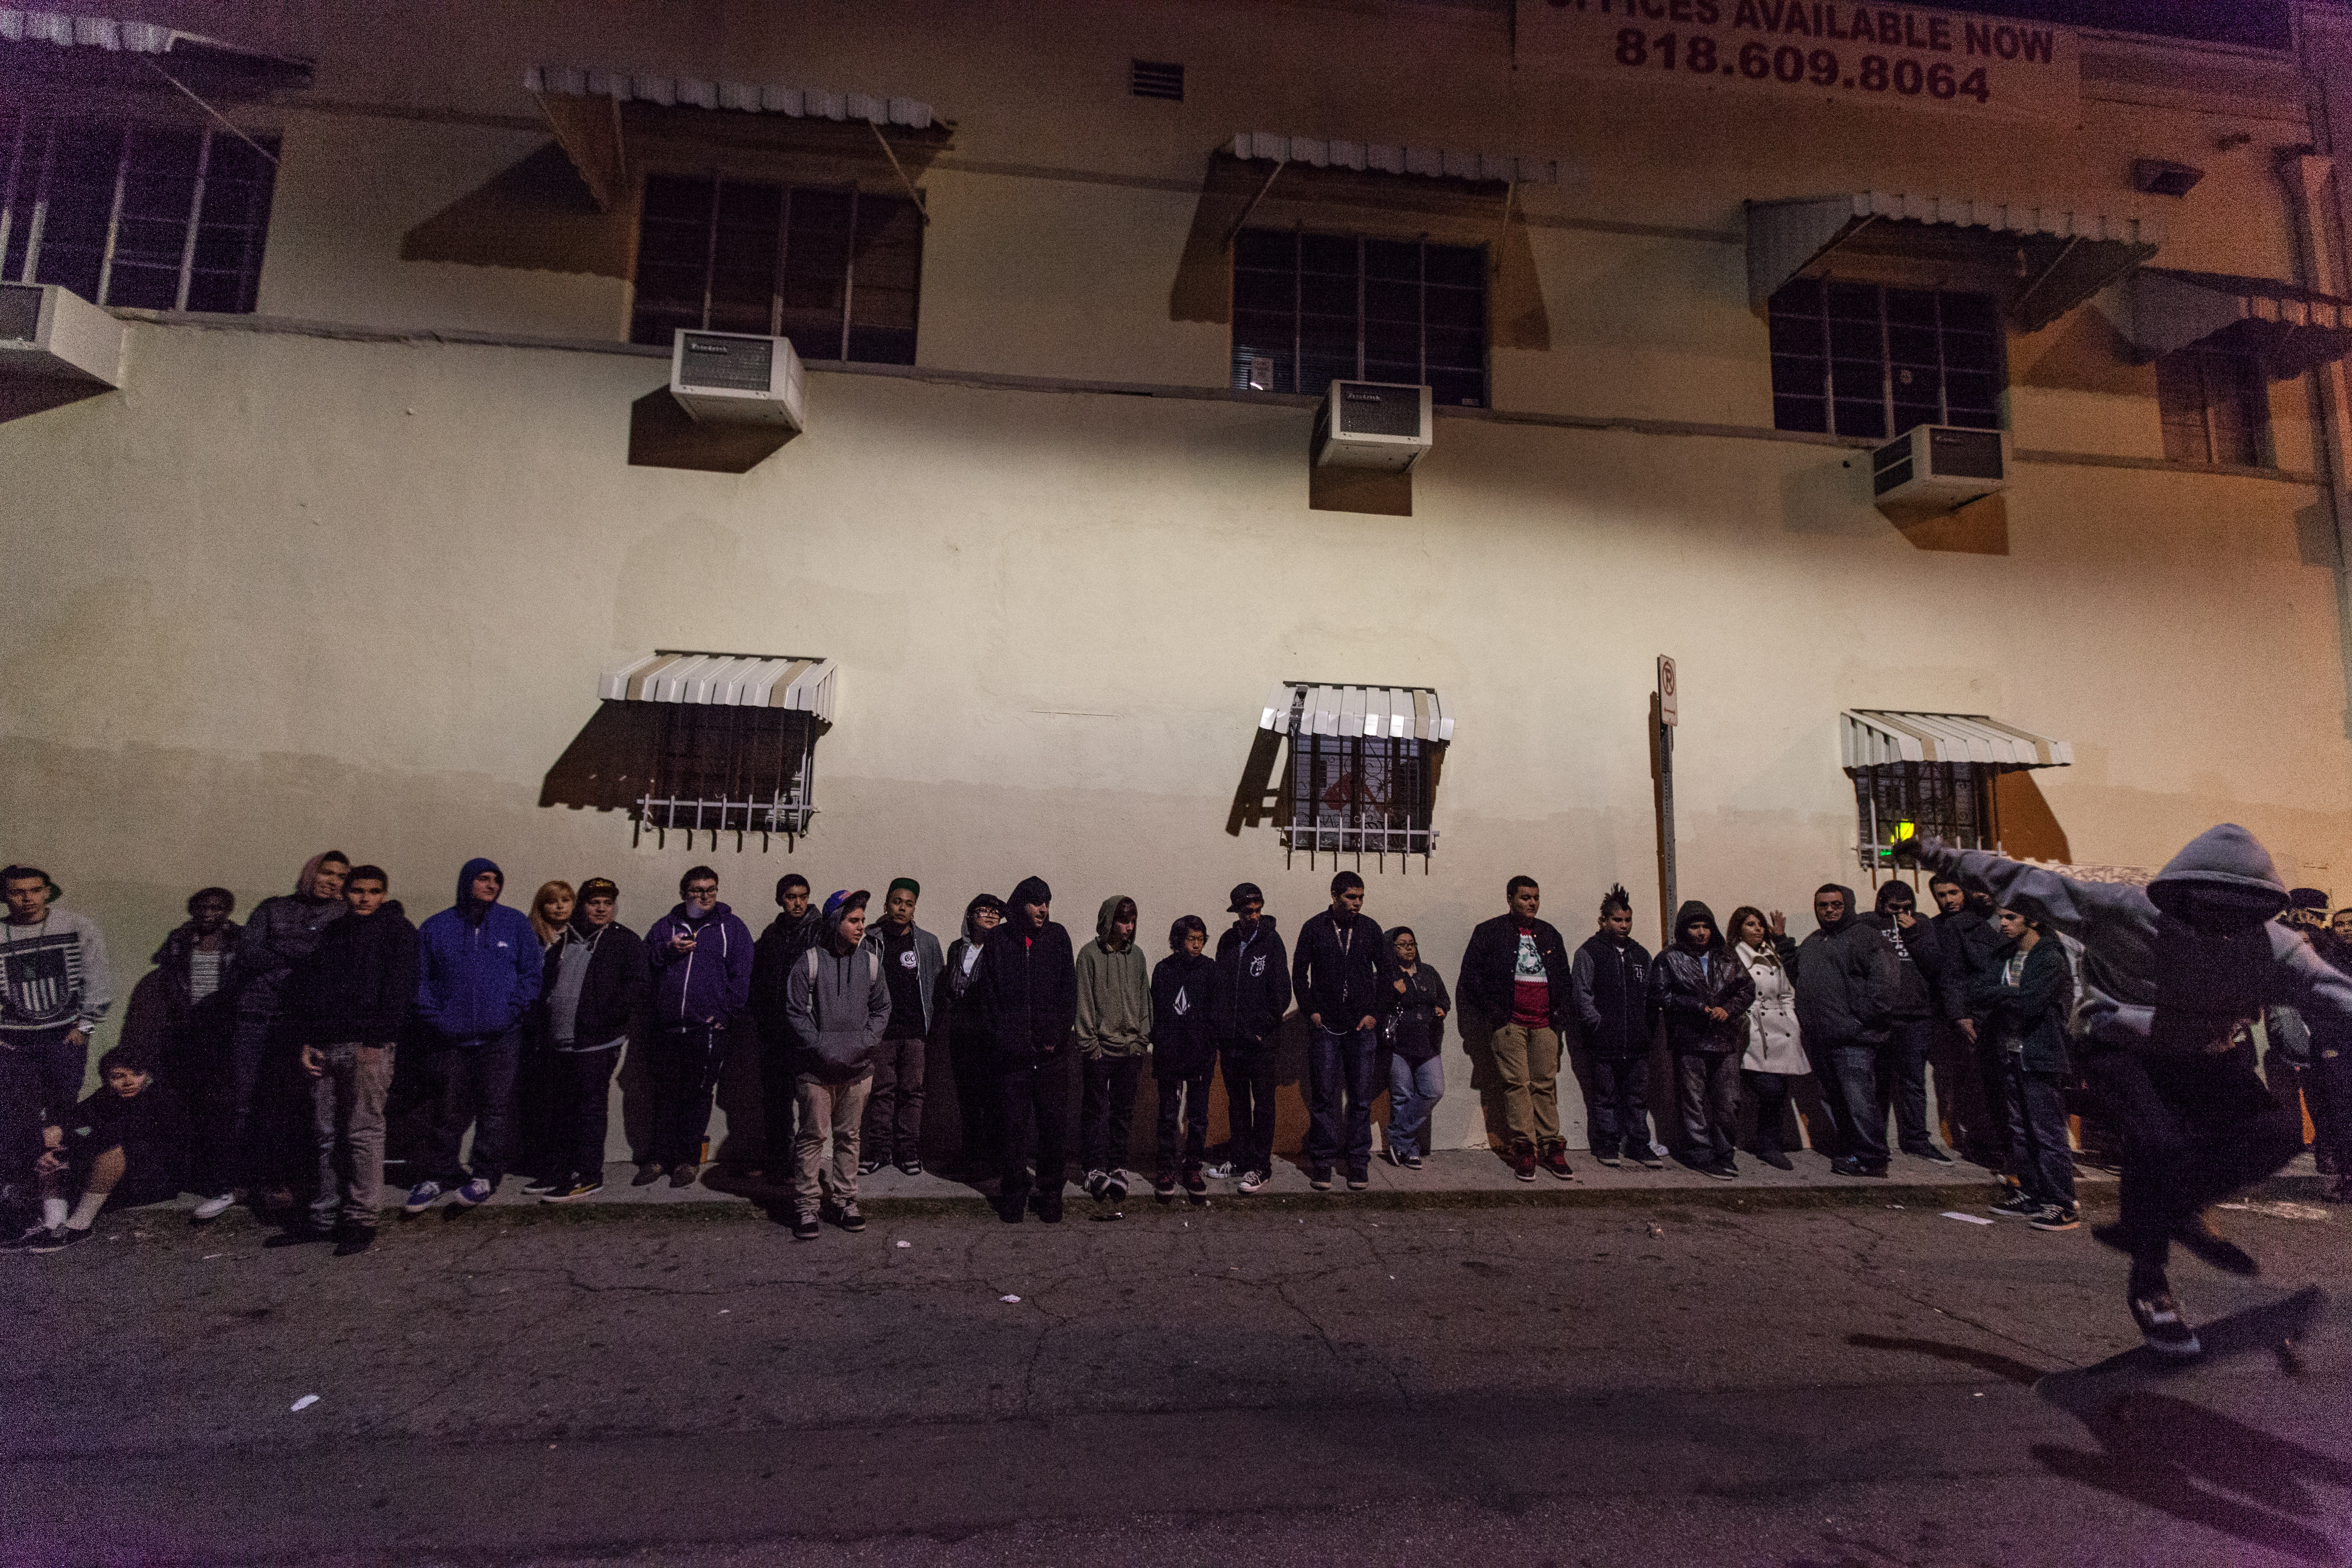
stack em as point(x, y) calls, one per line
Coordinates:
point(1329, 307)
point(1899, 802)
point(1157, 78)
point(1359, 794)
point(730, 769)
point(838, 271)
point(2216, 408)
point(159, 216)
point(1861, 358)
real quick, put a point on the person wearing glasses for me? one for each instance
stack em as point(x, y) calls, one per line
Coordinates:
point(702, 956)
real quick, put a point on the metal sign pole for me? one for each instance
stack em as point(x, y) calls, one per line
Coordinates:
point(1668, 716)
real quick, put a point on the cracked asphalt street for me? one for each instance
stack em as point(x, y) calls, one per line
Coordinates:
point(1656, 1381)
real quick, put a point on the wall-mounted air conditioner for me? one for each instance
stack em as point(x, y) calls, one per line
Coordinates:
point(55, 335)
point(1932, 470)
point(733, 378)
point(1372, 424)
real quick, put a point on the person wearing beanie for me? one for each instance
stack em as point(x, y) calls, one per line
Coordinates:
point(1114, 991)
point(1249, 992)
point(1911, 1031)
point(594, 983)
point(799, 925)
point(840, 1012)
point(971, 1053)
point(1027, 980)
point(1339, 976)
point(125, 1146)
point(911, 962)
point(701, 958)
point(1516, 980)
point(1702, 994)
point(2168, 974)
point(1609, 986)
point(477, 980)
point(1183, 1057)
point(1413, 1022)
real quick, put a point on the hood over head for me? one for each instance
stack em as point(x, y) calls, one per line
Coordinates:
point(466, 875)
point(1853, 908)
point(1109, 912)
point(1891, 891)
point(305, 881)
point(1030, 890)
point(1692, 909)
point(2226, 868)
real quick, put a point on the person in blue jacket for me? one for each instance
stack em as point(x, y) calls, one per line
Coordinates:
point(702, 983)
point(477, 976)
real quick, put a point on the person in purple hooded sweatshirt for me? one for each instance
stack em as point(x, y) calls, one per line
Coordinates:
point(478, 974)
point(701, 957)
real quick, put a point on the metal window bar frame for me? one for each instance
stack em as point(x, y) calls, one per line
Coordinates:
point(1887, 362)
point(1960, 802)
point(1417, 834)
point(786, 810)
point(35, 220)
point(784, 251)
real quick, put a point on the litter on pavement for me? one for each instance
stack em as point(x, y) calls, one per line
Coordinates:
point(1965, 1219)
point(1008, 1298)
point(304, 1403)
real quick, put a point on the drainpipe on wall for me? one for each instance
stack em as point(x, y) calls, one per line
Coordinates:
point(2320, 223)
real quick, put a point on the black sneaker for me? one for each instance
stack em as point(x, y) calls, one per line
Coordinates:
point(1650, 1161)
point(1723, 1171)
point(581, 1187)
point(539, 1187)
point(1097, 1184)
point(1196, 1181)
point(1115, 1185)
point(2058, 1216)
point(1777, 1160)
point(847, 1217)
point(910, 1167)
point(1320, 1180)
point(1163, 1186)
point(2017, 1205)
point(1358, 1178)
point(868, 1167)
point(806, 1226)
point(1413, 1161)
point(1048, 1206)
point(31, 1237)
point(1928, 1151)
point(1608, 1160)
point(60, 1239)
point(301, 1236)
point(2167, 1333)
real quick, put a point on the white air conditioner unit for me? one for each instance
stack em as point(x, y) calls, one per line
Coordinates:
point(1372, 424)
point(55, 335)
point(733, 378)
point(1932, 470)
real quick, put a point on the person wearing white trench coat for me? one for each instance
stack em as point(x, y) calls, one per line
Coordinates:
point(1775, 1056)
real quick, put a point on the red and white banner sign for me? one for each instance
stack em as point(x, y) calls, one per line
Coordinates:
point(1821, 51)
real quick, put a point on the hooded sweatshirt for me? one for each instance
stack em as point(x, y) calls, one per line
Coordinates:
point(1686, 981)
point(1250, 990)
point(840, 1007)
point(966, 1016)
point(1920, 952)
point(481, 964)
point(278, 935)
point(53, 976)
point(773, 956)
point(1847, 981)
point(2150, 980)
point(358, 983)
point(1114, 990)
point(1028, 982)
point(712, 979)
point(1182, 1045)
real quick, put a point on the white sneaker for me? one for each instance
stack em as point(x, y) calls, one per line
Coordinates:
point(1254, 1180)
point(213, 1208)
point(1223, 1172)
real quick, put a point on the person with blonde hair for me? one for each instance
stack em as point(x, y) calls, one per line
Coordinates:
point(550, 913)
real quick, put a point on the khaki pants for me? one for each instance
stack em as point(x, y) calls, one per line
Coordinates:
point(1529, 1061)
point(347, 1120)
point(837, 1107)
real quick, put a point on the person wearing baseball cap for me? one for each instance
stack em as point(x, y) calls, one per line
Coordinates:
point(799, 925)
point(595, 979)
point(1248, 994)
point(1028, 980)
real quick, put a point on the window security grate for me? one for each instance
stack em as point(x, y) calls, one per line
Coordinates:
point(1359, 794)
point(1900, 801)
point(152, 216)
point(2215, 408)
point(1324, 308)
point(1858, 358)
point(730, 769)
point(1158, 78)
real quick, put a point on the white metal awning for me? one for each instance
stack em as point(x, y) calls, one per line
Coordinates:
point(1437, 162)
point(2070, 252)
point(723, 680)
point(1875, 737)
point(97, 50)
point(743, 97)
point(1397, 713)
point(2289, 330)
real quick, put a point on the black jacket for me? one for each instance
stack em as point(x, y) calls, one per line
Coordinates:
point(182, 1012)
point(358, 982)
point(1028, 987)
point(1492, 959)
point(2032, 1012)
point(1847, 979)
point(152, 1130)
point(1920, 954)
point(1612, 984)
point(1342, 966)
point(1968, 940)
point(619, 980)
point(1251, 989)
point(1182, 1044)
point(1683, 983)
point(1410, 1024)
point(772, 968)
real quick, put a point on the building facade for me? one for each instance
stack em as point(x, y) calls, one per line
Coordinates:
point(389, 511)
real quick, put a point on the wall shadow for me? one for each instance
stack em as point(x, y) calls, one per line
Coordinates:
point(537, 215)
point(609, 762)
point(664, 436)
point(2028, 829)
point(1980, 528)
point(1330, 487)
point(21, 397)
point(1257, 799)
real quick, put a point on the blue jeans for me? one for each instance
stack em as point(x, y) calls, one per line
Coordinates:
point(1338, 1065)
point(1414, 1090)
point(473, 1081)
point(1621, 1107)
point(2037, 1134)
point(1905, 1075)
point(1851, 1087)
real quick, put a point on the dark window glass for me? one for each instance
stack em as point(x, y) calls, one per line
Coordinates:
point(730, 769)
point(2215, 408)
point(838, 272)
point(1327, 307)
point(1856, 359)
point(1899, 802)
point(1357, 793)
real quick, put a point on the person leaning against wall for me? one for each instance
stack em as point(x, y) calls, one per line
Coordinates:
point(254, 1129)
point(2024, 993)
point(1702, 994)
point(1773, 1057)
point(594, 983)
point(1114, 1033)
point(1847, 978)
point(1183, 1054)
point(350, 998)
point(840, 1010)
point(197, 967)
point(701, 958)
point(911, 962)
point(1249, 992)
point(478, 979)
point(1608, 982)
point(971, 1053)
point(799, 925)
point(1414, 1006)
point(1911, 1033)
point(1517, 979)
point(54, 992)
point(1027, 977)
point(1964, 930)
point(1341, 968)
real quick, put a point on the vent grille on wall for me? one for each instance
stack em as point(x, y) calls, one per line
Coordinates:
point(1158, 78)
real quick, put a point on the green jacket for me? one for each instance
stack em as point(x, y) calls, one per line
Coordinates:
point(1114, 993)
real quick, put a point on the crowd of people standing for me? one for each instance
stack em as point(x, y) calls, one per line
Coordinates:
point(269, 1074)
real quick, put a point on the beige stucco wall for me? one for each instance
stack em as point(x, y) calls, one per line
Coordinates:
point(284, 590)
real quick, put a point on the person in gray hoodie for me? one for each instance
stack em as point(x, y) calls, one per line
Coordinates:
point(839, 1004)
point(2169, 972)
point(1114, 1032)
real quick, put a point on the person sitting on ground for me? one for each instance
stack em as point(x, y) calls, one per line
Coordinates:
point(1609, 986)
point(1183, 1056)
point(1775, 1054)
point(1412, 1025)
point(840, 1008)
point(2023, 995)
point(1114, 1036)
point(1702, 993)
point(125, 1146)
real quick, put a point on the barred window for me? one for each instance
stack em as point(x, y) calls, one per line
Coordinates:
point(1860, 359)
point(1358, 793)
point(1901, 801)
point(838, 271)
point(730, 769)
point(157, 216)
point(1327, 307)
point(2215, 407)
